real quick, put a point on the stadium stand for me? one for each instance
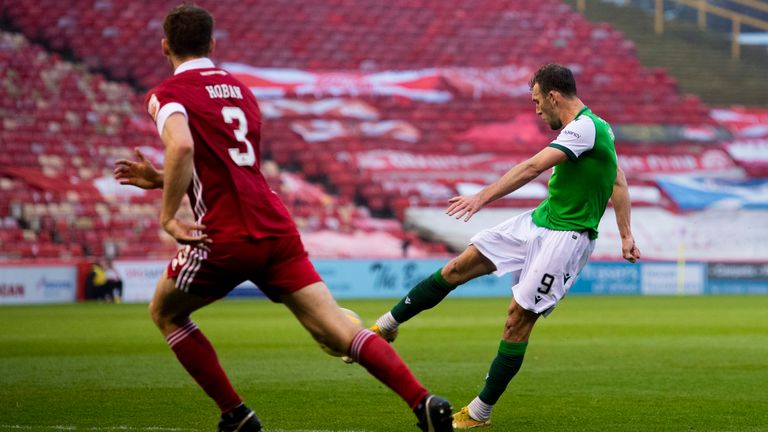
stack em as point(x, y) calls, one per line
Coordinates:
point(372, 111)
point(67, 128)
point(61, 126)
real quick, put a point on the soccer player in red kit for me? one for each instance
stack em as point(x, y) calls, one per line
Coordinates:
point(210, 123)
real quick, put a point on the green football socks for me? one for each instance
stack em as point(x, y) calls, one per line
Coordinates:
point(425, 295)
point(504, 367)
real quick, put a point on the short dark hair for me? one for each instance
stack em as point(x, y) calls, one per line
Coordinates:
point(188, 29)
point(556, 77)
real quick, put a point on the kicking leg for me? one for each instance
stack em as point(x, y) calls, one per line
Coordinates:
point(318, 312)
point(432, 290)
point(509, 358)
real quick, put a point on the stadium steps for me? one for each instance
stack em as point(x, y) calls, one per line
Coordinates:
point(699, 60)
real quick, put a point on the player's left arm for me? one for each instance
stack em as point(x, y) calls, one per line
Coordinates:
point(514, 179)
point(623, 208)
point(177, 175)
point(140, 172)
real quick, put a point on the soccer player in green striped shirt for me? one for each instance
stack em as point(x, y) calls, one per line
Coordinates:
point(545, 248)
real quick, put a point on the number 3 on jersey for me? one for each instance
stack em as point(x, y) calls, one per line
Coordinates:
point(248, 157)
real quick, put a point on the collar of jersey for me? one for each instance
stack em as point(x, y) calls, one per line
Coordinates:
point(581, 111)
point(198, 63)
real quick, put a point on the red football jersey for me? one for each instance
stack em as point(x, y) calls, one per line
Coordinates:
point(228, 193)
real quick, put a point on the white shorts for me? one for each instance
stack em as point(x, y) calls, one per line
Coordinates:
point(546, 261)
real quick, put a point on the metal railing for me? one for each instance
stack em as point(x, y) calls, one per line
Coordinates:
point(703, 8)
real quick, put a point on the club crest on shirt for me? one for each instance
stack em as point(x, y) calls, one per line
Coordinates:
point(153, 107)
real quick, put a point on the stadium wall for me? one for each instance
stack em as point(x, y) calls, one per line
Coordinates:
point(348, 279)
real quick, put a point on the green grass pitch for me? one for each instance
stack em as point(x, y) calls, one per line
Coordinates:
point(596, 364)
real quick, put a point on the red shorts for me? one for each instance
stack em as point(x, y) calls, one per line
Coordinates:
point(277, 265)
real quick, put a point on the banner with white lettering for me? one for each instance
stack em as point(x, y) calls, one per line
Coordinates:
point(509, 81)
point(428, 189)
point(327, 108)
point(423, 85)
point(749, 151)
point(37, 284)
point(737, 278)
point(392, 278)
point(708, 161)
point(393, 160)
point(751, 154)
point(326, 130)
point(140, 279)
point(743, 122)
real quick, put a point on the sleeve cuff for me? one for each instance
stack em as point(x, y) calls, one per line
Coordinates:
point(166, 111)
point(571, 155)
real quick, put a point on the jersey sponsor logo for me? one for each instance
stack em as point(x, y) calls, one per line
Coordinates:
point(224, 91)
point(153, 107)
point(570, 132)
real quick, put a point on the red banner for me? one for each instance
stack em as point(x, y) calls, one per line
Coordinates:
point(743, 122)
point(713, 160)
point(391, 160)
point(524, 128)
point(326, 130)
point(422, 85)
point(752, 154)
point(327, 108)
point(509, 81)
point(483, 165)
point(749, 151)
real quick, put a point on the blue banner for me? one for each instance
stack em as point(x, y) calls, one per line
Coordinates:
point(691, 193)
point(608, 278)
point(388, 278)
point(394, 278)
point(737, 278)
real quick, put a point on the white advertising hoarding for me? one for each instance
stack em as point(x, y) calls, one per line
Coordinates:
point(673, 279)
point(37, 284)
point(139, 278)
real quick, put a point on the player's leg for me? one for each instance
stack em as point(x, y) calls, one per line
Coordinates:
point(318, 312)
point(554, 258)
point(499, 250)
point(432, 290)
point(506, 364)
point(170, 310)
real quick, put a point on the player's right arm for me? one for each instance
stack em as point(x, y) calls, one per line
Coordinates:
point(514, 179)
point(623, 208)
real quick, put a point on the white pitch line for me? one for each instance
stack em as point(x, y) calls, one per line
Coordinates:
point(133, 428)
point(93, 428)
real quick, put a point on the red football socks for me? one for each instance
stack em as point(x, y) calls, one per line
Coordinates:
point(199, 358)
point(383, 362)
